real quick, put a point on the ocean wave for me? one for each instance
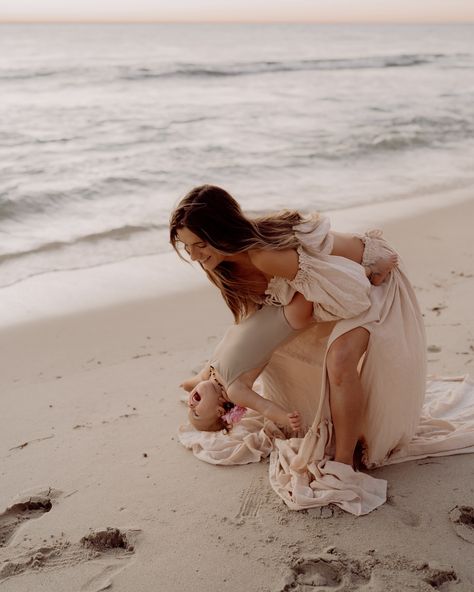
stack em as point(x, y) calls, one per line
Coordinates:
point(396, 134)
point(263, 67)
point(420, 131)
point(75, 74)
point(121, 233)
point(11, 140)
point(102, 74)
point(26, 74)
point(14, 204)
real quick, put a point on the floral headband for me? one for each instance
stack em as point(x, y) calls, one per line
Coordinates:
point(235, 414)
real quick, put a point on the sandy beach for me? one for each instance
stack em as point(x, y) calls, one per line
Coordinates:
point(88, 443)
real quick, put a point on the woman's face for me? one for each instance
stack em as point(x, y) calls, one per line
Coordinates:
point(199, 250)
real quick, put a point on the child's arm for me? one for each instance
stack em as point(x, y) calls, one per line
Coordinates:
point(240, 394)
point(190, 383)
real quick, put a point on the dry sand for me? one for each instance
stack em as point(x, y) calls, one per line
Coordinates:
point(87, 442)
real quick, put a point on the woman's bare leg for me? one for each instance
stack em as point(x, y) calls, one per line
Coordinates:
point(347, 398)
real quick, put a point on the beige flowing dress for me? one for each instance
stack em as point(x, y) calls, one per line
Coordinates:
point(397, 425)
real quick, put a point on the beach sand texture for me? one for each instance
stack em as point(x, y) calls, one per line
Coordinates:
point(97, 492)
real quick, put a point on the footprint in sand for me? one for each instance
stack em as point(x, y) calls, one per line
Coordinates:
point(402, 514)
point(326, 572)
point(440, 579)
point(462, 518)
point(252, 499)
point(14, 516)
point(110, 548)
point(335, 571)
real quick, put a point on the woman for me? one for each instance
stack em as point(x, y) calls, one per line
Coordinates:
point(268, 259)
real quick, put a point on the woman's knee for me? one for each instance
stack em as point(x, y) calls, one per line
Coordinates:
point(340, 363)
point(344, 355)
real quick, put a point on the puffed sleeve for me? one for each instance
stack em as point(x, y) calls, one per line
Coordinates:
point(337, 286)
point(314, 233)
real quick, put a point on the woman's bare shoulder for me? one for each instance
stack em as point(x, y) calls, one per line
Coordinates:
point(282, 263)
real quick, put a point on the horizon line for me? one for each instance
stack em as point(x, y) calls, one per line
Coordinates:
point(226, 22)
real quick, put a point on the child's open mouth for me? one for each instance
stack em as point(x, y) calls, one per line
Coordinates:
point(196, 397)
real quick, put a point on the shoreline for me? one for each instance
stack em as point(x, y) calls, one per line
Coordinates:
point(90, 412)
point(58, 293)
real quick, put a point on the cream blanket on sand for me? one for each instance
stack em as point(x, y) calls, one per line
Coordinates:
point(299, 472)
point(404, 419)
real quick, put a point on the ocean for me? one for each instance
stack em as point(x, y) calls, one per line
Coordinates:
point(104, 128)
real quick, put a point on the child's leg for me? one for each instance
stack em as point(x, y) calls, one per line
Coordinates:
point(299, 312)
point(192, 382)
point(378, 271)
point(353, 247)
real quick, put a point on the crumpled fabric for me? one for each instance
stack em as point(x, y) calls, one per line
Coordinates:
point(446, 427)
point(337, 286)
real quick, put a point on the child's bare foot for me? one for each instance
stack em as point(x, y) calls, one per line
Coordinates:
point(378, 271)
point(189, 384)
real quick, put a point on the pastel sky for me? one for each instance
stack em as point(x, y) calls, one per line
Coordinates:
point(239, 10)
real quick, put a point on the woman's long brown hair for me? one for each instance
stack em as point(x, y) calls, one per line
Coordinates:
point(217, 219)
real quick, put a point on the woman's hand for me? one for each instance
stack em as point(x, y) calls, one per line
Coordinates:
point(294, 420)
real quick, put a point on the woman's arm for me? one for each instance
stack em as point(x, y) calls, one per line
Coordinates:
point(241, 394)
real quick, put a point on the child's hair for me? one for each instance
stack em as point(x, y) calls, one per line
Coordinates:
point(216, 218)
point(216, 424)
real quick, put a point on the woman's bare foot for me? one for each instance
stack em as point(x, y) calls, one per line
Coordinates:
point(378, 271)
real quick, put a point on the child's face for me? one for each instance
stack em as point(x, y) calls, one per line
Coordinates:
point(203, 402)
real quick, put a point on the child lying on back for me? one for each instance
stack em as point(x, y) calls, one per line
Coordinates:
point(227, 380)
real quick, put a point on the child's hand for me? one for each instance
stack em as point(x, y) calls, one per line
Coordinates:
point(295, 420)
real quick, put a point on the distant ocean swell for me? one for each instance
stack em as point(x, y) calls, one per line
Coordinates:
point(242, 69)
point(392, 134)
point(17, 205)
point(122, 233)
point(180, 70)
point(402, 134)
